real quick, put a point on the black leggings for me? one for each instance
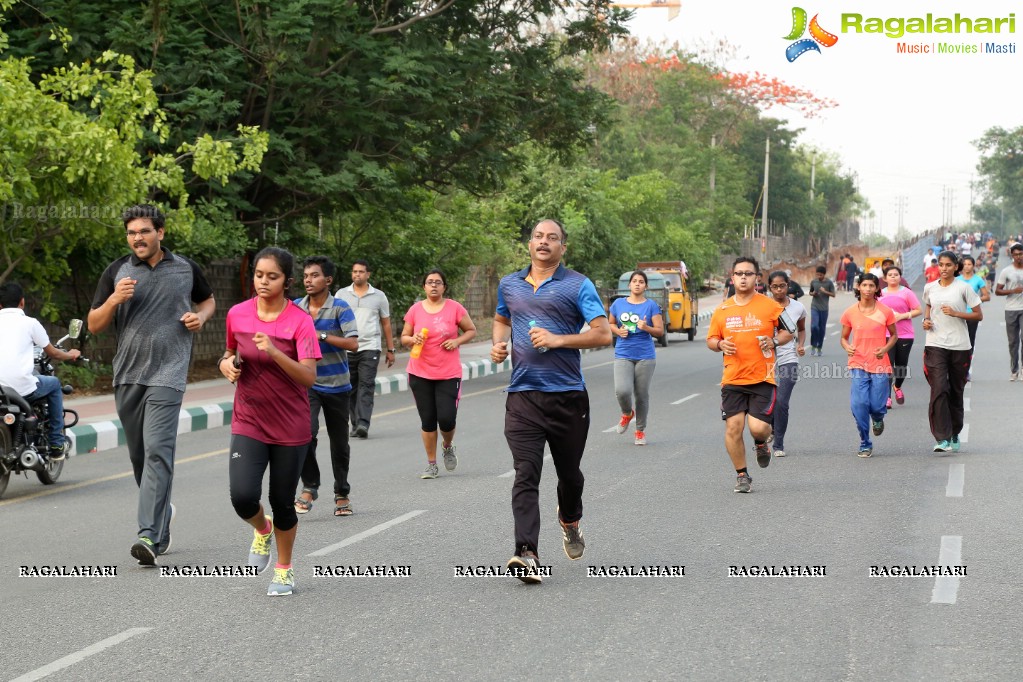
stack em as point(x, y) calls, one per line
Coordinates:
point(247, 463)
point(437, 402)
point(971, 329)
point(899, 357)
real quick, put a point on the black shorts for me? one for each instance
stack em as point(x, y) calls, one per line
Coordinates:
point(757, 400)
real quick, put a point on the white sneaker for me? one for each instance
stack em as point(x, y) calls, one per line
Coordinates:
point(450, 459)
point(779, 453)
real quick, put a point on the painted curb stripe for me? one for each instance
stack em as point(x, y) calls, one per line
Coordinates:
point(107, 435)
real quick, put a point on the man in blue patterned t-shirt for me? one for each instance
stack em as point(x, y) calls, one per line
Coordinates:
point(338, 335)
point(542, 310)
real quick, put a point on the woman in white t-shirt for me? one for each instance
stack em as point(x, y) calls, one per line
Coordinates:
point(786, 363)
point(947, 349)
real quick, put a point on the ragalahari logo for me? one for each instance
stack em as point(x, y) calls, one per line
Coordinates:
point(817, 35)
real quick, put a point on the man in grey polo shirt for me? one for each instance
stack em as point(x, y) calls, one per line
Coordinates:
point(149, 295)
point(373, 317)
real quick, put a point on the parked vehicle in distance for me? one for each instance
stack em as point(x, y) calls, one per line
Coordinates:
point(682, 308)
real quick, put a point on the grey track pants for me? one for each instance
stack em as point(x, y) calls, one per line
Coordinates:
point(149, 415)
point(632, 379)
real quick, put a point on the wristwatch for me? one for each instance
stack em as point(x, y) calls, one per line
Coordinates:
point(390, 350)
point(323, 336)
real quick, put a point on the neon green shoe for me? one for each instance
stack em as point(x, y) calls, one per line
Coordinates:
point(259, 552)
point(283, 582)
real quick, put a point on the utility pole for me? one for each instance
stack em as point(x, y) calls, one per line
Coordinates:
point(970, 217)
point(713, 169)
point(900, 207)
point(813, 175)
point(763, 219)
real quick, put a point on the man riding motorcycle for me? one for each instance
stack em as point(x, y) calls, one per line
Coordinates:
point(19, 333)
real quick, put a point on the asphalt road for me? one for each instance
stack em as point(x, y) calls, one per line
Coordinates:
point(668, 504)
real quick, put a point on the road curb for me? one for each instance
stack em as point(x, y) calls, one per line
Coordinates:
point(107, 435)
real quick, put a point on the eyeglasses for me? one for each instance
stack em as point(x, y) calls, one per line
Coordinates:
point(747, 273)
point(780, 286)
point(552, 238)
point(434, 282)
point(141, 233)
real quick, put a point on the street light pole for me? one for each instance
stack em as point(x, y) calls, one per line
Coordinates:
point(763, 219)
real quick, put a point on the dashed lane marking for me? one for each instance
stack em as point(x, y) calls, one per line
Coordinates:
point(78, 656)
point(946, 587)
point(509, 474)
point(104, 479)
point(956, 479)
point(688, 397)
point(367, 533)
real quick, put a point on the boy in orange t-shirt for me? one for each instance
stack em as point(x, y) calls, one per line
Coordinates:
point(745, 329)
point(864, 328)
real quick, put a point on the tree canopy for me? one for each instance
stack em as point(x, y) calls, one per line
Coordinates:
point(69, 158)
point(1001, 180)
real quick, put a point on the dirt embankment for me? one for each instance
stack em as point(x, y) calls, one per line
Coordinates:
point(804, 270)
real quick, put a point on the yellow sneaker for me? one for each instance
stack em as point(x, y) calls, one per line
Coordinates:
point(283, 582)
point(259, 552)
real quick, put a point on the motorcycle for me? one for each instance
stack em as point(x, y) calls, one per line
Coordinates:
point(24, 427)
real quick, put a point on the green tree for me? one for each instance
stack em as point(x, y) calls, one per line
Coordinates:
point(69, 160)
point(362, 101)
point(1001, 179)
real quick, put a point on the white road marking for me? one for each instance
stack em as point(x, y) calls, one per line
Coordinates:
point(688, 397)
point(946, 587)
point(964, 435)
point(367, 533)
point(509, 474)
point(956, 479)
point(78, 656)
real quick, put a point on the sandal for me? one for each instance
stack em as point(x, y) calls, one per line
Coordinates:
point(342, 509)
point(302, 506)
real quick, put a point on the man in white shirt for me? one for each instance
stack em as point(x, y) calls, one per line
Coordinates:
point(1010, 284)
point(19, 333)
point(373, 319)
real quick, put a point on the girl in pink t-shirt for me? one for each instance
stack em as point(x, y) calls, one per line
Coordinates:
point(864, 326)
point(435, 376)
point(906, 306)
point(271, 356)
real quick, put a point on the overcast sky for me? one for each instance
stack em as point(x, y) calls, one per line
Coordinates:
point(905, 122)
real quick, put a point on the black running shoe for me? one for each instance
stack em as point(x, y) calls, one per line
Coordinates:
point(763, 454)
point(574, 543)
point(743, 483)
point(878, 426)
point(525, 566)
point(145, 551)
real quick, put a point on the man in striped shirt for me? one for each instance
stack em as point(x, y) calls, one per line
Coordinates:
point(338, 335)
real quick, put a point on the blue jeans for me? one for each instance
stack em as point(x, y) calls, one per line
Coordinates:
point(818, 326)
point(49, 388)
point(785, 377)
point(867, 398)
